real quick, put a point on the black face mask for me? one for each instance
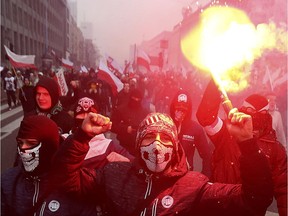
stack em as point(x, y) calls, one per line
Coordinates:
point(78, 122)
point(262, 121)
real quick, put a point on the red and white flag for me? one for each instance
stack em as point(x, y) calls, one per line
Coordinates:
point(106, 75)
point(20, 61)
point(67, 63)
point(143, 59)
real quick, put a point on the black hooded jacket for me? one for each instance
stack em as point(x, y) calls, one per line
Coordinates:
point(56, 113)
point(190, 134)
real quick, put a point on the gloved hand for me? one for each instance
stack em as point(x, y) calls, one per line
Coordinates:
point(207, 111)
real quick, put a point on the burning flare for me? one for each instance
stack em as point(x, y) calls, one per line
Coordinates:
point(225, 42)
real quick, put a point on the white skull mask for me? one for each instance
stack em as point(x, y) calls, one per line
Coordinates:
point(156, 156)
point(30, 157)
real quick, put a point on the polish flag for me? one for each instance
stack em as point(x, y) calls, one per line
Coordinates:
point(106, 75)
point(67, 63)
point(143, 59)
point(20, 61)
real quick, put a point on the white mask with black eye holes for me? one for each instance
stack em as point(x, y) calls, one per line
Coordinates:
point(156, 156)
point(30, 157)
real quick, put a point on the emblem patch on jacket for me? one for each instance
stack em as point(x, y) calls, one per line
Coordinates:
point(53, 205)
point(167, 201)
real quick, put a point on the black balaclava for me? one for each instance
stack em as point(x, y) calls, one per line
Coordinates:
point(46, 132)
point(52, 87)
point(135, 99)
point(262, 120)
point(181, 101)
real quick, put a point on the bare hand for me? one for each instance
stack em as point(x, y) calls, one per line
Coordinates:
point(95, 124)
point(240, 125)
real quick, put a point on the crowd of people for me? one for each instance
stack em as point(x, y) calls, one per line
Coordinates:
point(68, 164)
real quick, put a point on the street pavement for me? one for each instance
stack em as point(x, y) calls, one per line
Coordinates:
point(10, 121)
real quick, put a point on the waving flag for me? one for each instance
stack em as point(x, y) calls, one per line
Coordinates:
point(67, 63)
point(113, 65)
point(83, 69)
point(143, 59)
point(106, 75)
point(20, 61)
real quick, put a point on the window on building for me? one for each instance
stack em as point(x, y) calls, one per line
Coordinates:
point(16, 46)
point(14, 9)
point(20, 15)
point(8, 9)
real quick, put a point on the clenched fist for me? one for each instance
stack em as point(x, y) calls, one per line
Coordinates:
point(95, 124)
point(240, 125)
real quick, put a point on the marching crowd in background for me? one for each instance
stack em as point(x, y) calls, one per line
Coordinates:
point(68, 163)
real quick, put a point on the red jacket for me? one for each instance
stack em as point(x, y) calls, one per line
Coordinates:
point(226, 165)
point(177, 192)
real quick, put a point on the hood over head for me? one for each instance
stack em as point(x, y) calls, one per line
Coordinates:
point(52, 87)
point(162, 123)
point(182, 101)
point(46, 132)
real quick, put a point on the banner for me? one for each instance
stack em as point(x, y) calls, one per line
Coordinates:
point(20, 61)
point(62, 82)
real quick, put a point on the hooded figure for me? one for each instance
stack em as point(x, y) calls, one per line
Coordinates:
point(47, 103)
point(191, 135)
point(227, 154)
point(126, 120)
point(28, 189)
point(156, 154)
point(45, 139)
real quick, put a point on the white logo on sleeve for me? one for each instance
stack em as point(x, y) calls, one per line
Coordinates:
point(167, 201)
point(54, 205)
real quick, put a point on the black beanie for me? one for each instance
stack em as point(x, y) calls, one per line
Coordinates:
point(256, 101)
point(52, 87)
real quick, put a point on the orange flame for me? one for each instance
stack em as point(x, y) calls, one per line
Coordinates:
point(226, 43)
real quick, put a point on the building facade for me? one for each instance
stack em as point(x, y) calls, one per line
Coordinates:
point(39, 27)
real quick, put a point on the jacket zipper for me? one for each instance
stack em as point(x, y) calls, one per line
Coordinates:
point(36, 193)
point(148, 191)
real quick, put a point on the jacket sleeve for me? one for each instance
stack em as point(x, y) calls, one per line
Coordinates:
point(254, 195)
point(122, 151)
point(67, 165)
point(207, 111)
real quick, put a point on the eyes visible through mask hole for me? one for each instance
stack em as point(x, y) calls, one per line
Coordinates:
point(151, 137)
point(25, 144)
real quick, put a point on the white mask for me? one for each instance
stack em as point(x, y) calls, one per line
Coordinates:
point(156, 156)
point(30, 157)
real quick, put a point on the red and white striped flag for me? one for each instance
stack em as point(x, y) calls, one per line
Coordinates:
point(143, 59)
point(106, 75)
point(20, 61)
point(67, 63)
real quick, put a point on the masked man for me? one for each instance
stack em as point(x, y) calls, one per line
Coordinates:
point(225, 162)
point(27, 189)
point(158, 181)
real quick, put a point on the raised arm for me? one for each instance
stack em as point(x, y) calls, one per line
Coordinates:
point(68, 160)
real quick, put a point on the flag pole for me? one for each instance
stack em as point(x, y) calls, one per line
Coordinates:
point(11, 66)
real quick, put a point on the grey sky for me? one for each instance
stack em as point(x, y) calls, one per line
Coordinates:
point(121, 23)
